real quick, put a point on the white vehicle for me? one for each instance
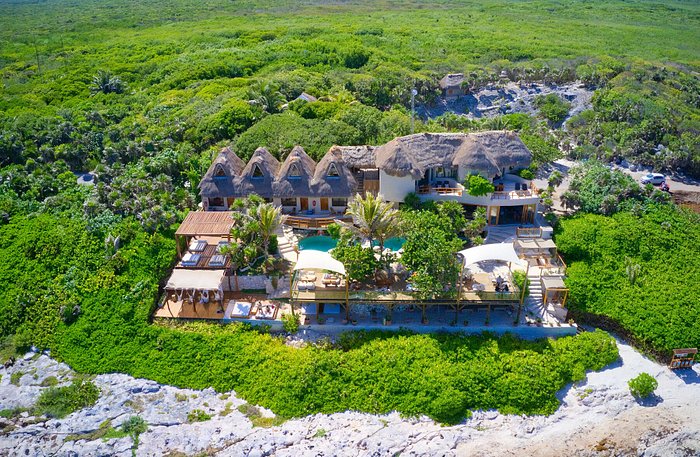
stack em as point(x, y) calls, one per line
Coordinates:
point(653, 178)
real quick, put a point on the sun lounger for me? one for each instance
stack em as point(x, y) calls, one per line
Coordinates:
point(197, 245)
point(217, 260)
point(190, 260)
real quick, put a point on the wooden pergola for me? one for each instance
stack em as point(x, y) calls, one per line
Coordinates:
point(199, 224)
point(553, 286)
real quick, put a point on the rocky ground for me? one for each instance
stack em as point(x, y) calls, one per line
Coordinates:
point(496, 100)
point(597, 418)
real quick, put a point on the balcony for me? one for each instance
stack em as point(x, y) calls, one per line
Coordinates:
point(509, 192)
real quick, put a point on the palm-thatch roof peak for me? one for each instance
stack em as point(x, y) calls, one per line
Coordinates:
point(485, 152)
point(295, 174)
point(216, 182)
point(333, 177)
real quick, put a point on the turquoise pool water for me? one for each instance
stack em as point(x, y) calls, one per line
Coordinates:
point(318, 243)
point(394, 244)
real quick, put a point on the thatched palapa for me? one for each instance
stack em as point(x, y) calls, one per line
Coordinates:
point(489, 153)
point(247, 183)
point(343, 185)
point(360, 157)
point(492, 152)
point(218, 180)
point(295, 175)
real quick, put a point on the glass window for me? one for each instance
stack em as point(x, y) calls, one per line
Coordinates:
point(333, 171)
point(219, 172)
point(440, 172)
point(339, 202)
point(294, 171)
point(216, 201)
point(257, 172)
point(289, 202)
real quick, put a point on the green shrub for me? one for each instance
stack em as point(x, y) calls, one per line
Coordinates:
point(49, 381)
point(290, 323)
point(197, 415)
point(643, 385)
point(552, 107)
point(15, 377)
point(654, 247)
point(478, 185)
point(526, 174)
point(59, 402)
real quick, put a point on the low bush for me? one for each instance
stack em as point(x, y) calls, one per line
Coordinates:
point(59, 402)
point(638, 268)
point(290, 323)
point(643, 385)
point(197, 415)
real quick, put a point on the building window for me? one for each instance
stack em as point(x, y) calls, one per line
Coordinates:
point(294, 171)
point(216, 201)
point(289, 202)
point(333, 171)
point(219, 172)
point(257, 172)
point(339, 202)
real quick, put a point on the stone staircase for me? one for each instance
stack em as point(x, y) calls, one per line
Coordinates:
point(500, 233)
point(533, 303)
point(286, 241)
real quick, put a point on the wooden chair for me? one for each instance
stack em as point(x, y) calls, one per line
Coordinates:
point(683, 358)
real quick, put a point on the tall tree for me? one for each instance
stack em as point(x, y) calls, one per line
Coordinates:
point(372, 218)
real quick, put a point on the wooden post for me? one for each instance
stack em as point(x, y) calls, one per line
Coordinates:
point(566, 296)
point(522, 294)
point(347, 298)
point(291, 291)
point(179, 248)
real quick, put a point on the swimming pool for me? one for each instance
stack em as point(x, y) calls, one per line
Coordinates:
point(394, 243)
point(318, 243)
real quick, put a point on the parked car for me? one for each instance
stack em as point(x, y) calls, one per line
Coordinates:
point(653, 178)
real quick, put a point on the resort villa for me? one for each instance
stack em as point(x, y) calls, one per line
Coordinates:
point(312, 195)
point(433, 165)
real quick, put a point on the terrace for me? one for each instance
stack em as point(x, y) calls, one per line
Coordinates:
point(507, 188)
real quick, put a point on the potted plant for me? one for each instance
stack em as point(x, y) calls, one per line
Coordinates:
point(387, 320)
point(321, 320)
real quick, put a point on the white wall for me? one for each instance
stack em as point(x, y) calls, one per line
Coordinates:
point(395, 189)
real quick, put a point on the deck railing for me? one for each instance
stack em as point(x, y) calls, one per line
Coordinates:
point(424, 190)
point(312, 222)
point(528, 232)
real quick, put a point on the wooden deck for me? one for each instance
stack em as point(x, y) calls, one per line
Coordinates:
point(175, 309)
point(206, 255)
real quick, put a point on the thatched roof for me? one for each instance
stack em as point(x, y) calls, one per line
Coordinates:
point(492, 151)
point(414, 154)
point(286, 185)
point(226, 163)
point(246, 184)
point(485, 152)
point(452, 80)
point(358, 156)
point(344, 185)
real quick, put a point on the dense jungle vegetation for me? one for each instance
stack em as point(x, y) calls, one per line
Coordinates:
point(640, 268)
point(144, 93)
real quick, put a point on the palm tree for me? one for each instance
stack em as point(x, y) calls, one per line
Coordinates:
point(103, 81)
point(372, 218)
point(269, 218)
point(633, 269)
point(267, 96)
